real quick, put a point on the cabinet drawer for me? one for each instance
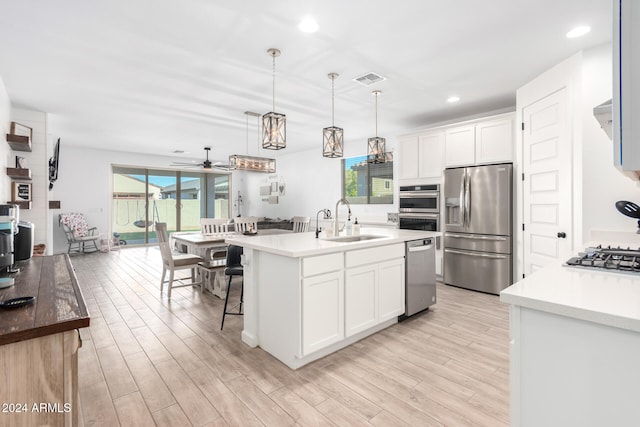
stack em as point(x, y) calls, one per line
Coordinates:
point(322, 264)
point(374, 255)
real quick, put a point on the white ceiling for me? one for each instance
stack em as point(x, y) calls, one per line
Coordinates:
point(153, 76)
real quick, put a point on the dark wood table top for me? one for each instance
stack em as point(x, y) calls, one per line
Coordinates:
point(58, 306)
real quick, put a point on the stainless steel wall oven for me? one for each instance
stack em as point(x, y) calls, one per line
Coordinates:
point(420, 207)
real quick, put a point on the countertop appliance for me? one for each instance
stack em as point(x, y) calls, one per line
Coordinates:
point(478, 227)
point(624, 260)
point(420, 276)
point(420, 207)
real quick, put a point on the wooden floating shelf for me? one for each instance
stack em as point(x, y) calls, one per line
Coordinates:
point(21, 203)
point(54, 204)
point(19, 142)
point(17, 173)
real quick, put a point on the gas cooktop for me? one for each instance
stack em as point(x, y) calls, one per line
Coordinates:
point(625, 260)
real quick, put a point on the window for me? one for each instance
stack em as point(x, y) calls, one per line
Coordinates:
point(367, 183)
point(142, 197)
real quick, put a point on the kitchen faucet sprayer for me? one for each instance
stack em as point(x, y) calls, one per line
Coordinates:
point(344, 202)
point(327, 215)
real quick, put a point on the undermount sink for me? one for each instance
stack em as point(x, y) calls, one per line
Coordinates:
point(353, 238)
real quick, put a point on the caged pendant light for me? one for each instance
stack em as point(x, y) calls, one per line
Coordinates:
point(376, 145)
point(274, 125)
point(332, 137)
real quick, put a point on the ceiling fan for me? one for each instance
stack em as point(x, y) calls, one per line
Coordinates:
point(207, 164)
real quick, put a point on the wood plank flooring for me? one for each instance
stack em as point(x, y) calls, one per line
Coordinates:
point(146, 360)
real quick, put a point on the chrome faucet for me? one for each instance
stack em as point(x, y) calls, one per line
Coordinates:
point(345, 202)
point(327, 215)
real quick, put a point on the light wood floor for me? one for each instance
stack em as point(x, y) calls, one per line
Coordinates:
point(147, 360)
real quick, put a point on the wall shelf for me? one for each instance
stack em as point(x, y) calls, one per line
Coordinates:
point(18, 142)
point(17, 173)
point(21, 203)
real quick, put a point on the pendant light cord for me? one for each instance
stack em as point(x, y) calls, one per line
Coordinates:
point(274, 83)
point(247, 138)
point(376, 114)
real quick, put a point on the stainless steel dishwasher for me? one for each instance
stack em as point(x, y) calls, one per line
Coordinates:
point(420, 277)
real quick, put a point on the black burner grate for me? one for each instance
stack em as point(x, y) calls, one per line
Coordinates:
point(608, 258)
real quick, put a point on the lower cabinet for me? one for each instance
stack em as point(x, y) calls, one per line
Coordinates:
point(361, 298)
point(322, 311)
point(391, 289)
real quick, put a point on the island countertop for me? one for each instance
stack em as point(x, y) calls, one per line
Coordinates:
point(297, 245)
point(603, 297)
point(58, 307)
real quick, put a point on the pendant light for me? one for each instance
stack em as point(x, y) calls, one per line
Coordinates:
point(274, 125)
point(332, 137)
point(250, 163)
point(376, 145)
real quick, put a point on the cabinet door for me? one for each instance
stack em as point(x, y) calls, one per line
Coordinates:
point(460, 146)
point(391, 289)
point(361, 308)
point(322, 311)
point(430, 149)
point(408, 151)
point(494, 141)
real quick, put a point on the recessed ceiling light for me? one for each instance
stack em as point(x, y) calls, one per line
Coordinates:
point(308, 25)
point(578, 31)
point(453, 99)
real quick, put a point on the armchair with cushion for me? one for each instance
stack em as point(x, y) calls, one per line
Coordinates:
point(78, 232)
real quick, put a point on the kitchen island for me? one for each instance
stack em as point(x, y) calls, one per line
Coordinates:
point(305, 298)
point(575, 347)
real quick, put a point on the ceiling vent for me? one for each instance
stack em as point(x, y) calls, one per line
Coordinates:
point(369, 78)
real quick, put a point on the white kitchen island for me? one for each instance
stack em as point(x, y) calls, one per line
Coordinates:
point(575, 348)
point(305, 298)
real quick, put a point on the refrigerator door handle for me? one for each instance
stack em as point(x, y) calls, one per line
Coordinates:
point(471, 236)
point(463, 208)
point(467, 198)
point(477, 254)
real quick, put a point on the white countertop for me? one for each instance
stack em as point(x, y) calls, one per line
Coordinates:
point(305, 244)
point(603, 297)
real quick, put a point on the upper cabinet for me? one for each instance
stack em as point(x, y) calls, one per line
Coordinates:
point(482, 142)
point(421, 156)
point(626, 95)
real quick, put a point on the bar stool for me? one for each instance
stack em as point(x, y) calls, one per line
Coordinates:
point(234, 268)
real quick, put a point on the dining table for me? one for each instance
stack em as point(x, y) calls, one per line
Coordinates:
point(205, 246)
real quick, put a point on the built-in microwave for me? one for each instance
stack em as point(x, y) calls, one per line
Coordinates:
point(420, 198)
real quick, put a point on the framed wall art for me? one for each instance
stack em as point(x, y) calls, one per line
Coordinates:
point(21, 191)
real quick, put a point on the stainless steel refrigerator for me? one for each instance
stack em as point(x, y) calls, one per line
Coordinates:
point(478, 227)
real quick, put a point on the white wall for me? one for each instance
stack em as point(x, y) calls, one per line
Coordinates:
point(5, 150)
point(602, 183)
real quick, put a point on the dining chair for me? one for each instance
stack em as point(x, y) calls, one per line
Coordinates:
point(245, 223)
point(234, 268)
point(214, 225)
point(300, 224)
point(172, 262)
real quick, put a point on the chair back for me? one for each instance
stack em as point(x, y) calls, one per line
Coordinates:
point(234, 256)
point(214, 225)
point(74, 224)
point(300, 224)
point(245, 223)
point(161, 232)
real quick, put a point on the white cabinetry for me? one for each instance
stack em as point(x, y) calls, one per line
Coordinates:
point(482, 142)
point(421, 156)
point(374, 287)
point(322, 301)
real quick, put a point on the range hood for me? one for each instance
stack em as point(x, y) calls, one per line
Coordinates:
point(603, 114)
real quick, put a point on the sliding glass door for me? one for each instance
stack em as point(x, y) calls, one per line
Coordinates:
point(142, 197)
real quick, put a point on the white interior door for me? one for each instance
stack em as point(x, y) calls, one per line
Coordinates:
point(547, 185)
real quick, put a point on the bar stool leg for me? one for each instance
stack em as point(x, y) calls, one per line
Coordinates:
point(226, 301)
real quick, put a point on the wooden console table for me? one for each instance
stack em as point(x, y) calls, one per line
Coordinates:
point(39, 345)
